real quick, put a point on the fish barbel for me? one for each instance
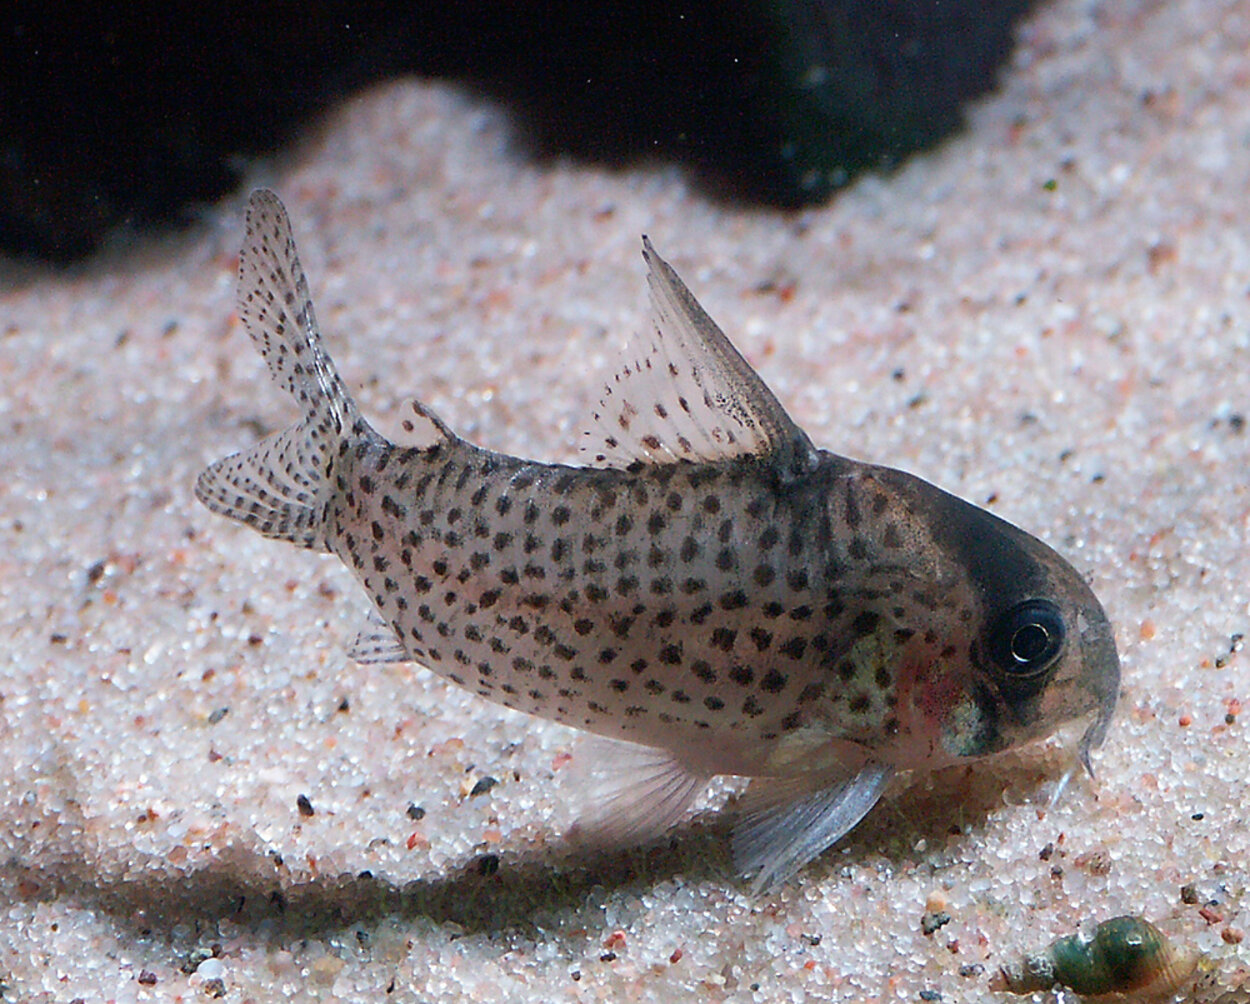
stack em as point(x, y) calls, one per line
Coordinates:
point(712, 590)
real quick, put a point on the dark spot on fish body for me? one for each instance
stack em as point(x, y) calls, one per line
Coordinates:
point(865, 623)
point(703, 670)
point(860, 703)
point(851, 512)
point(796, 543)
point(773, 682)
point(793, 648)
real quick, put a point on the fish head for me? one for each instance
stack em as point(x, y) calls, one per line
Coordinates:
point(1034, 651)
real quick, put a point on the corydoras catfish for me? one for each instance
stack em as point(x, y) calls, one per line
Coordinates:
point(711, 589)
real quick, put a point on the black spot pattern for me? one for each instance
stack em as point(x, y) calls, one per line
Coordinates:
point(632, 594)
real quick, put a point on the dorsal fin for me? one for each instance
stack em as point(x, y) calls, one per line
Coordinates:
point(689, 396)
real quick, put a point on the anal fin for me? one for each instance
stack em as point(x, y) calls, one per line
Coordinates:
point(377, 643)
point(785, 823)
point(631, 793)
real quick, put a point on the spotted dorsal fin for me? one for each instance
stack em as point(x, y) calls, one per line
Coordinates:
point(689, 396)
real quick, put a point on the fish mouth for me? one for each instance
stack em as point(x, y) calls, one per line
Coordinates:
point(1100, 678)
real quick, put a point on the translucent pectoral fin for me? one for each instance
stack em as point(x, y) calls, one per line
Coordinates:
point(377, 643)
point(630, 793)
point(785, 823)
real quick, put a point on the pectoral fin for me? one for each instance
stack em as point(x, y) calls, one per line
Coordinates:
point(786, 823)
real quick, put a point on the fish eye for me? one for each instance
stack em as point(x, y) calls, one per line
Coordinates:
point(1028, 638)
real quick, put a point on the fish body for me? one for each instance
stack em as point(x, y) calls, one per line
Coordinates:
point(712, 590)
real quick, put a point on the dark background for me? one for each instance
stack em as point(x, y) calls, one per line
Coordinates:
point(129, 118)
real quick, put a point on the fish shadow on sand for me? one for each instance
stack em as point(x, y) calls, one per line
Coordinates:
point(518, 892)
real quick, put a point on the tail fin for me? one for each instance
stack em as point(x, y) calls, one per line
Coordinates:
point(277, 486)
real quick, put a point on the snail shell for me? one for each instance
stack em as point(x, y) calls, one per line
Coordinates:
point(1124, 955)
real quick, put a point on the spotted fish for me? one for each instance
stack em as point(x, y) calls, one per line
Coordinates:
point(711, 590)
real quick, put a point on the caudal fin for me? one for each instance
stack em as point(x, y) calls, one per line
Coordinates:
point(277, 486)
